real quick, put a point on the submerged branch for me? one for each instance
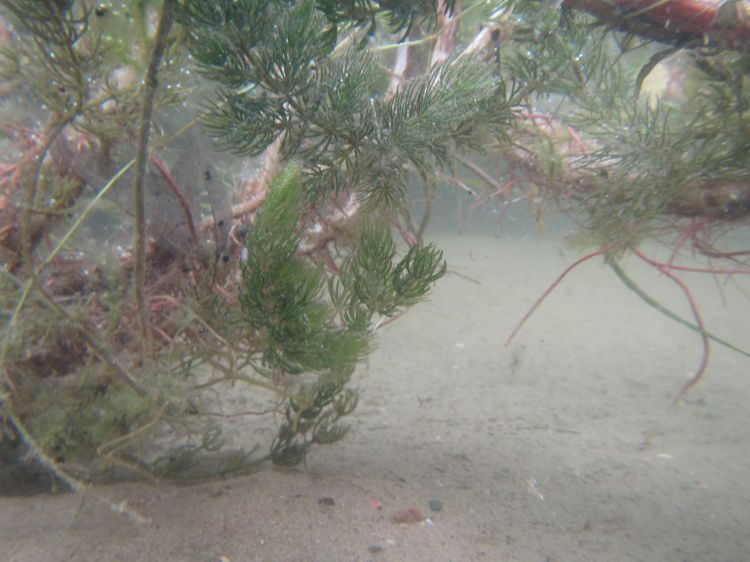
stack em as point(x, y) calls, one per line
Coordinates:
point(683, 22)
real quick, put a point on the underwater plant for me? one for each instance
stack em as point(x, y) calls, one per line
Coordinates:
point(135, 282)
point(647, 139)
point(199, 197)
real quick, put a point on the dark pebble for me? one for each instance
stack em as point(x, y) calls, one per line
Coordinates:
point(326, 501)
point(373, 548)
point(435, 505)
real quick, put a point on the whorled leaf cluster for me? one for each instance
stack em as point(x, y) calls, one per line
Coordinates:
point(294, 329)
point(283, 80)
point(280, 76)
point(305, 326)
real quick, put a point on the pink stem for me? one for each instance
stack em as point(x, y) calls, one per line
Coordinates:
point(180, 197)
point(664, 268)
point(551, 288)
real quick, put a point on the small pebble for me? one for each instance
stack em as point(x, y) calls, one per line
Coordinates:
point(408, 515)
point(326, 501)
point(435, 505)
point(373, 548)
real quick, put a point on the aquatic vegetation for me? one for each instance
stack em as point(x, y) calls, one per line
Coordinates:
point(147, 275)
point(135, 282)
point(635, 160)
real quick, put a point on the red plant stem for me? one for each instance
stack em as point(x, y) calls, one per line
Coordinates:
point(507, 185)
point(693, 16)
point(483, 175)
point(328, 260)
point(689, 232)
point(667, 266)
point(164, 335)
point(180, 197)
point(408, 237)
point(224, 294)
point(551, 288)
point(670, 19)
point(484, 197)
point(580, 145)
point(740, 271)
point(705, 249)
point(663, 268)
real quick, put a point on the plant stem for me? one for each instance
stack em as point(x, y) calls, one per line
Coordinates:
point(165, 23)
point(571, 267)
point(649, 300)
point(698, 323)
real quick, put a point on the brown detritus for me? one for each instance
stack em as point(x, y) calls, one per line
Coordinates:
point(62, 353)
point(714, 200)
point(74, 276)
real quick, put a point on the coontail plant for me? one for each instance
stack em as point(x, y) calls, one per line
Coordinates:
point(304, 326)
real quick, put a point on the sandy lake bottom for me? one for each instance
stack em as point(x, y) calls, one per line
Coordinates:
point(530, 452)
